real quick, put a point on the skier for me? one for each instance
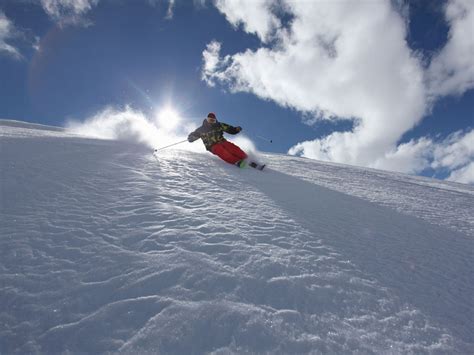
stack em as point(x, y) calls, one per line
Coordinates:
point(212, 134)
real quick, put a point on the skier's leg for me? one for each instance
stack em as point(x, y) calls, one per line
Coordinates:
point(220, 150)
point(237, 152)
point(234, 150)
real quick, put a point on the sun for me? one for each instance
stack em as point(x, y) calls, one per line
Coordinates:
point(168, 118)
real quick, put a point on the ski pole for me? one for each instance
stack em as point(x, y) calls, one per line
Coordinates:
point(171, 145)
point(265, 139)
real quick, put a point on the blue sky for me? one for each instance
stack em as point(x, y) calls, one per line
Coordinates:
point(382, 84)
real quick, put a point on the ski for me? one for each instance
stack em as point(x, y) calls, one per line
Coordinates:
point(257, 166)
point(243, 164)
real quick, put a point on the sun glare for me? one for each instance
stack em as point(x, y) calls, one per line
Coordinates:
point(168, 118)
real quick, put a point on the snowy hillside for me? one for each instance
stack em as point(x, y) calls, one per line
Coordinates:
point(105, 249)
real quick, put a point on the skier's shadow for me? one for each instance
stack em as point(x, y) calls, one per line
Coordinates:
point(427, 266)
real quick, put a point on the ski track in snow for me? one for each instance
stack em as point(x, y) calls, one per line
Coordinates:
point(105, 249)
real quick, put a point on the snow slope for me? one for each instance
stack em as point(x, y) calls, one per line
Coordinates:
point(105, 249)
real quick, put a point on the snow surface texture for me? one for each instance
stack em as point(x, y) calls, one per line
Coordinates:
point(103, 248)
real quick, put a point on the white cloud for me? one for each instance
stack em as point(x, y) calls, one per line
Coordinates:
point(169, 12)
point(254, 15)
point(346, 60)
point(452, 70)
point(36, 44)
point(170, 9)
point(457, 155)
point(456, 151)
point(338, 59)
point(454, 154)
point(68, 11)
point(464, 175)
point(410, 157)
point(7, 32)
point(213, 64)
point(200, 3)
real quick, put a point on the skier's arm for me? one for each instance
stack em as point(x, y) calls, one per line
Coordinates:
point(193, 136)
point(230, 129)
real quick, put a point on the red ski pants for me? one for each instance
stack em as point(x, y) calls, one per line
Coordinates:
point(228, 151)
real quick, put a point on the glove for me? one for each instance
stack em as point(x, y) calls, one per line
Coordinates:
point(238, 129)
point(192, 138)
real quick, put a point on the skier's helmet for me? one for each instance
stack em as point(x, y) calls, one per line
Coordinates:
point(211, 117)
